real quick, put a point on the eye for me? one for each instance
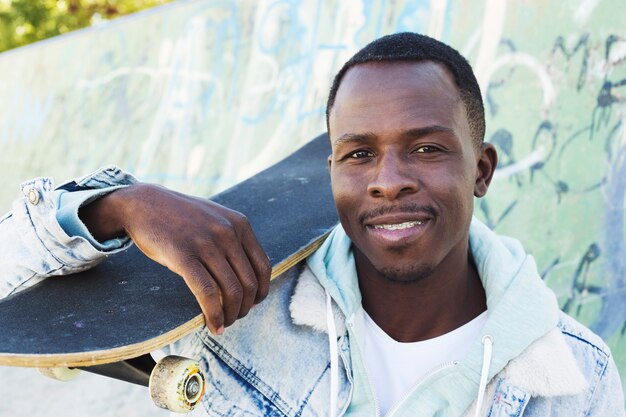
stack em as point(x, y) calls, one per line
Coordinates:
point(427, 149)
point(360, 154)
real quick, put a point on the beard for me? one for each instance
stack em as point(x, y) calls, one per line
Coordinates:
point(406, 274)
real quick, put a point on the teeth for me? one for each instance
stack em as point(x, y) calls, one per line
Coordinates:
point(398, 226)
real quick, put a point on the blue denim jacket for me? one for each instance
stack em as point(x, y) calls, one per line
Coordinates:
point(282, 369)
point(275, 361)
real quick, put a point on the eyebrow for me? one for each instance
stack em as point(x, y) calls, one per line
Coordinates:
point(425, 131)
point(415, 133)
point(355, 137)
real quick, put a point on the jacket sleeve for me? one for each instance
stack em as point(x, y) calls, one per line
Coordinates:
point(34, 245)
point(607, 397)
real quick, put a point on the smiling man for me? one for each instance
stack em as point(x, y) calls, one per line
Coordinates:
point(410, 307)
point(405, 169)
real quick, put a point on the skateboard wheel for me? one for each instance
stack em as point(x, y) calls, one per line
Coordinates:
point(60, 374)
point(177, 384)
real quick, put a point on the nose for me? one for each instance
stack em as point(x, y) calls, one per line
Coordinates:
point(393, 178)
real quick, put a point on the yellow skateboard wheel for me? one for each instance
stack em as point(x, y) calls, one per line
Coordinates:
point(177, 384)
point(60, 374)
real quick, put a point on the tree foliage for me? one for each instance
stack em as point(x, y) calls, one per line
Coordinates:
point(26, 21)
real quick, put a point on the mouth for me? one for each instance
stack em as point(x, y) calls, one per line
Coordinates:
point(397, 230)
point(398, 226)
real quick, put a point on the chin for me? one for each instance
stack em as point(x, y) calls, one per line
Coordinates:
point(406, 274)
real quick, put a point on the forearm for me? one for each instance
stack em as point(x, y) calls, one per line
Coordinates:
point(104, 217)
point(110, 216)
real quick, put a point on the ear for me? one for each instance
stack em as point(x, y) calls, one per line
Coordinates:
point(487, 162)
point(330, 161)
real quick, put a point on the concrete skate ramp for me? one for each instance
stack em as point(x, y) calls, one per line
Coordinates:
point(197, 95)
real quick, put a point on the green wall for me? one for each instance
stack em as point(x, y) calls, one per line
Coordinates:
point(200, 94)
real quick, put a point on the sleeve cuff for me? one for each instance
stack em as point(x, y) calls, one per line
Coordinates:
point(68, 204)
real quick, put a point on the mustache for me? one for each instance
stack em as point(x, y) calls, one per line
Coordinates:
point(404, 208)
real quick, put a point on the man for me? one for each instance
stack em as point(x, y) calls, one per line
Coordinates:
point(410, 308)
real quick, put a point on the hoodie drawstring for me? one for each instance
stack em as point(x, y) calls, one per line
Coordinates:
point(334, 356)
point(484, 374)
point(334, 362)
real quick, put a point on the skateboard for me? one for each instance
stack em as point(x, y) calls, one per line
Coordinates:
point(106, 320)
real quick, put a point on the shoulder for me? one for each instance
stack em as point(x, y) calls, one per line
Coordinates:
point(604, 395)
point(587, 347)
point(568, 371)
point(568, 360)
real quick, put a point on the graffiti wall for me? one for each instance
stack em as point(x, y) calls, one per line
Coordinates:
point(200, 94)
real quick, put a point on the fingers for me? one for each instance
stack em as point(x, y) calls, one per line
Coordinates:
point(259, 262)
point(218, 291)
point(231, 289)
point(250, 263)
point(227, 279)
point(208, 294)
point(243, 274)
point(247, 279)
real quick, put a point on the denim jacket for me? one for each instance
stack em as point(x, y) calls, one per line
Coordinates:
point(275, 361)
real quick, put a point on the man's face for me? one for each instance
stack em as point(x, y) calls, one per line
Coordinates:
point(404, 169)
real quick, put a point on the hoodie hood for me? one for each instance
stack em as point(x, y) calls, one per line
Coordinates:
point(521, 309)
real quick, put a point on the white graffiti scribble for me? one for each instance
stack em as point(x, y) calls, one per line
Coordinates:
point(493, 22)
point(584, 10)
point(526, 60)
point(524, 164)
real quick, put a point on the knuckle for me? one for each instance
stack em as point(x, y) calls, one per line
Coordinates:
point(207, 247)
point(208, 290)
point(198, 242)
point(250, 285)
point(221, 228)
point(240, 220)
point(266, 268)
point(234, 291)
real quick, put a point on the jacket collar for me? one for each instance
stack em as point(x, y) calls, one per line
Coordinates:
point(546, 368)
point(308, 305)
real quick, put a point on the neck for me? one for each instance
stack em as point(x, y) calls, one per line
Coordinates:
point(429, 307)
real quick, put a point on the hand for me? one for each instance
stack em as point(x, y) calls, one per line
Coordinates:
point(212, 247)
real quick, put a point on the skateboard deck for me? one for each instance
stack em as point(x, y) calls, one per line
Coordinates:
point(129, 305)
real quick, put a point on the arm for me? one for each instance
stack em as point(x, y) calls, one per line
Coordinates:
point(211, 247)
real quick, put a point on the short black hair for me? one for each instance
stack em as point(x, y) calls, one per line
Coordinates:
point(409, 46)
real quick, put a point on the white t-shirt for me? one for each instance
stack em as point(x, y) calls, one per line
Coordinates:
point(395, 367)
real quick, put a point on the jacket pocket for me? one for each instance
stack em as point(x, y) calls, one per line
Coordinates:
point(229, 394)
